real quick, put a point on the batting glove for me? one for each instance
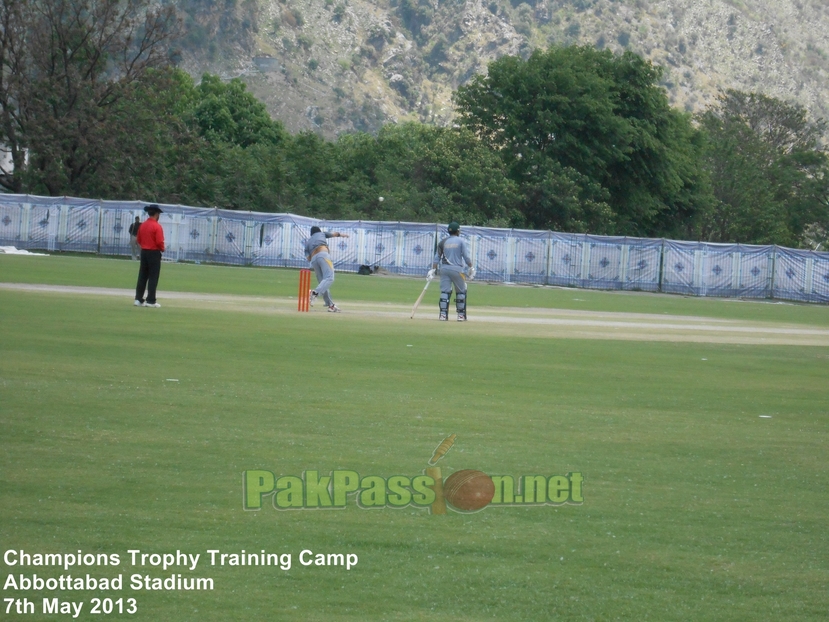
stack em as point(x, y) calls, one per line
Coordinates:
point(470, 273)
point(431, 274)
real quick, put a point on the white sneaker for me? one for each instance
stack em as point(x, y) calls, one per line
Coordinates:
point(155, 305)
point(333, 309)
point(312, 297)
point(442, 317)
point(461, 317)
point(138, 303)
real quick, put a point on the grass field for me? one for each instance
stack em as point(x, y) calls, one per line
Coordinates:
point(705, 464)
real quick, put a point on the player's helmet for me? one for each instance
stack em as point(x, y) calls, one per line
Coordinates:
point(453, 227)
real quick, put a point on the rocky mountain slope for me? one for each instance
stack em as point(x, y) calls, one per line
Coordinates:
point(340, 65)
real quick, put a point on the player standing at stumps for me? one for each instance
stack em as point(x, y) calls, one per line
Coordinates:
point(316, 252)
point(455, 267)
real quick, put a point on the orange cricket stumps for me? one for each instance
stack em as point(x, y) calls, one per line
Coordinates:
point(304, 290)
point(469, 490)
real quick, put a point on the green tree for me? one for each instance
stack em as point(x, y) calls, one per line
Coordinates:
point(784, 127)
point(225, 156)
point(308, 178)
point(356, 187)
point(425, 173)
point(768, 170)
point(211, 144)
point(154, 152)
point(66, 66)
point(745, 209)
point(594, 126)
point(226, 112)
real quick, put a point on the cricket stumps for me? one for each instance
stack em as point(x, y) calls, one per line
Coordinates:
point(304, 290)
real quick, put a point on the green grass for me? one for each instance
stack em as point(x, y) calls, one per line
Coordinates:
point(119, 273)
point(695, 507)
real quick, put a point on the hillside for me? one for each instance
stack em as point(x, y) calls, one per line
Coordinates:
point(339, 65)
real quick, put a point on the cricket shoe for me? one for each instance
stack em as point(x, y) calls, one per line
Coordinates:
point(138, 303)
point(461, 317)
point(443, 317)
point(312, 297)
point(333, 309)
point(154, 305)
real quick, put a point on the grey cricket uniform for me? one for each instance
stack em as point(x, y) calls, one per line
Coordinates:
point(321, 263)
point(453, 258)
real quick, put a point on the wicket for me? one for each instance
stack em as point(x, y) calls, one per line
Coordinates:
point(304, 290)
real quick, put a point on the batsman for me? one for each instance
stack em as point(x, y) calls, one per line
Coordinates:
point(455, 268)
point(316, 252)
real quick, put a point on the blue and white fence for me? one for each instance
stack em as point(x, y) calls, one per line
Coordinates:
point(507, 255)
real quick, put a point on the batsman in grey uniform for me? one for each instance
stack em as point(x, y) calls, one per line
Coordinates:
point(455, 267)
point(316, 252)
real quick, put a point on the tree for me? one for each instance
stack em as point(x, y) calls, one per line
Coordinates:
point(594, 125)
point(65, 67)
point(434, 173)
point(226, 112)
point(768, 170)
point(784, 127)
point(424, 173)
point(154, 153)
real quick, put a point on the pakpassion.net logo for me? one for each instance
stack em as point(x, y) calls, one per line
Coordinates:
point(467, 490)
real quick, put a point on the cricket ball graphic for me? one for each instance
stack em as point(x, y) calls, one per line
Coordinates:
point(468, 490)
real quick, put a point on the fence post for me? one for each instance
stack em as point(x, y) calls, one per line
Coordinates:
point(737, 271)
point(287, 232)
point(378, 243)
point(100, 225)
point(772, 270)
point(247, 242)
point(509, 259)
point(472, 251)
point(60, 236)
point(661, 266)
point(808, 281)
point(624, 260)
point(361, 244)
point(399, 242)
point(182, 230)
point(175, 234)
point(585, 261)
point(214, 232)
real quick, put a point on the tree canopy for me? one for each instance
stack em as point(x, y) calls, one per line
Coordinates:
point(768, 170)
point(589, 136)
point(65, 68)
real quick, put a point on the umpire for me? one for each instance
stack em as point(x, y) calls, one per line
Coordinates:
point(151, 241)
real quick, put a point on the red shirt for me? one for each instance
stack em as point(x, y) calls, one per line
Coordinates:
point(151, 235)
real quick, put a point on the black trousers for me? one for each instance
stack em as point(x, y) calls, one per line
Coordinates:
point(148, 273)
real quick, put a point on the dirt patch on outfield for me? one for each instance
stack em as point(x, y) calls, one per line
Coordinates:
point(551, 323)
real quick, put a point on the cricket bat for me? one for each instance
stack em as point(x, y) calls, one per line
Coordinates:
point(419, 298)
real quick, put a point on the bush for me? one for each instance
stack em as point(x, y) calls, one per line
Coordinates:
point(623, 38)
